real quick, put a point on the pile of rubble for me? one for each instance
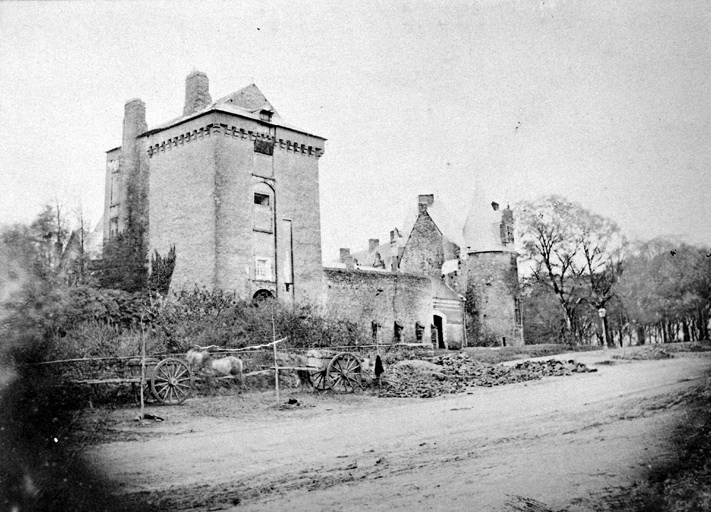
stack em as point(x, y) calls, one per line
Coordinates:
point(455, 373)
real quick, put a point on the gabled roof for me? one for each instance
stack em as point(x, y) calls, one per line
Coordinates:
point(251, 99)
point(369, 259)
point(247, 102)
point(443, 219)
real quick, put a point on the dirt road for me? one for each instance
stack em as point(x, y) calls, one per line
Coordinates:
point(563, 441)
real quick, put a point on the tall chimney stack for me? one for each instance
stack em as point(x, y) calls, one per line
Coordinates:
point(134, 121)
point(424, 200)
point(197, 93)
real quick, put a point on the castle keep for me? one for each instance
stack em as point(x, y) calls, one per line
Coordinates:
point(236, 190)
point(232, 186)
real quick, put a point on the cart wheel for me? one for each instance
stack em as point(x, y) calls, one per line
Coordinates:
point(171, 381)
point(343, 373)
point(318, 380)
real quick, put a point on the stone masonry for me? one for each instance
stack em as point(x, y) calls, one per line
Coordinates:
point(231, 186)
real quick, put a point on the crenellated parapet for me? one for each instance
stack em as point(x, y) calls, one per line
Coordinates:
point(223, 130)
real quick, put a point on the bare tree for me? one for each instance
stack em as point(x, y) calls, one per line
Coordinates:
point(574, 252)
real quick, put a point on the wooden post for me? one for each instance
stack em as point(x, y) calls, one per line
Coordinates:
point(143, 364)
point(276, 364)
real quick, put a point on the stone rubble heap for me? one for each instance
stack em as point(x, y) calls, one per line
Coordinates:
point(455, 373)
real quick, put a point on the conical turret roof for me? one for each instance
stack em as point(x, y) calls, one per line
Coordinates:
point(482, 229)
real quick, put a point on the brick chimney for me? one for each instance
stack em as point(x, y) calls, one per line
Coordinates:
point(197, 93)
point(372, 244)
point(424, 200)
point(345, 254)
point(134, 121)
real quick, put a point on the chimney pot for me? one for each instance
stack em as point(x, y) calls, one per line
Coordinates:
point(427, 199)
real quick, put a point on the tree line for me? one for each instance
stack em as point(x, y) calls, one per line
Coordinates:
point(583, 282)
point(573, 265)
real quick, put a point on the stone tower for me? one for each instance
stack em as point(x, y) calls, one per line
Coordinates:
point(231, 186)
point(490, 274)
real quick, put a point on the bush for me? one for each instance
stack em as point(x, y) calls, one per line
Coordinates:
point(63, 322)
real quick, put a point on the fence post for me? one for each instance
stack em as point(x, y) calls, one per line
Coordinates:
point(276, 364)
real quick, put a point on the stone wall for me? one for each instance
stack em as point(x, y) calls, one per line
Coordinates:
point(424, 253)
point(491, 293)
point(364, 297)
point(182, 204)
point(203, 176)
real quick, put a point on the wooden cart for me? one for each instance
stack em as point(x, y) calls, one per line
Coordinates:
point(169, 381)
point(341, 372)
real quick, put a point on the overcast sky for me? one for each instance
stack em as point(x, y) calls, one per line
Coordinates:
point(605, 102)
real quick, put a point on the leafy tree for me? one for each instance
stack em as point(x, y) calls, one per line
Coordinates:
point(161, 271)
point(123, 266)
point(37, 248)
point(666, 289)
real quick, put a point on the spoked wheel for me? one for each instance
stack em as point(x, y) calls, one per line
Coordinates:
point(171, 382)
point(343, 373)
point(318, 380)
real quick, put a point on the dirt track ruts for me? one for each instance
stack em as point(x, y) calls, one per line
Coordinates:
point(564, 441)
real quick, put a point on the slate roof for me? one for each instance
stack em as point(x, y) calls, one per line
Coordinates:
point(247, 102)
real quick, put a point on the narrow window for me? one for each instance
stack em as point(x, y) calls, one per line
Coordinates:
point(263, 269)
point(397, 332)
point(419, 332)
point(113, 227)
point(375, 326)
point(517, 311)
point(261, 199)
point(265, 147)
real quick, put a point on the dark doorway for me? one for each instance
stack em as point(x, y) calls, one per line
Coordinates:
point(438, 323)
point(262, 296)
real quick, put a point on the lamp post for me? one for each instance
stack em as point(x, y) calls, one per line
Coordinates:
point(602, 312)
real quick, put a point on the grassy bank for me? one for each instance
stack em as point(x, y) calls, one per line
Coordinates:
point(684, 484)
point(501, 354)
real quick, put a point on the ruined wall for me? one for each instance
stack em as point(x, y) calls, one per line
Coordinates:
point(491, 292)
point(364, 296)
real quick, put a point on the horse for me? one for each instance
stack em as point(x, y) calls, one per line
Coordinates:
point(221, 367)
